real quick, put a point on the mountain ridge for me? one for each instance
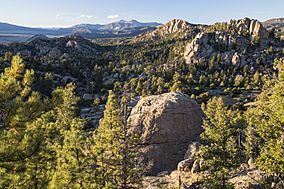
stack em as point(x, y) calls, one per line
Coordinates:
point(115, 29)
point(4, 26)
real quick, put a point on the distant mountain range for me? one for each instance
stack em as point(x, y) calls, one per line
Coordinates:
point(143, 31)
point(122, 28)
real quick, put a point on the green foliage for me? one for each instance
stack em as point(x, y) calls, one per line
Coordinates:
point(220, 147)
point(114, 149)
point(265, 137)
point(239, 79)
point(42, 142)
point(73, 167)
point(218, 26)
point(176, 87)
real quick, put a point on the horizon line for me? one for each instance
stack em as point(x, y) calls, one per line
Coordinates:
point(81, 23)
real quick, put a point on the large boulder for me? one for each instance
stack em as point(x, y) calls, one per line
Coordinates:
point(166, 124)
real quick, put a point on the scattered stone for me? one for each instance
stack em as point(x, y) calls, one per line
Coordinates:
point(85, 110)
point(185, 165)
point(72, 44)
point(163, 173)
point(196, 166)
point(236, 60)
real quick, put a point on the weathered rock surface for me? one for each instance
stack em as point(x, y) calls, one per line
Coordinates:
point(204, 45)
point(185, 165)
point(254, 27)
point(237, 38)
point(276, 25)
point(192, 159)
point(176, 28)
point(192, 150)
point(246, 178)
point(167, 123)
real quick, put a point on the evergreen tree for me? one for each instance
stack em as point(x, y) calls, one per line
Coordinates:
point(73, 168)
point(268, 124)
point(220, 147)
point(42, 143)
point(115, 150)
point(160, 83)
point(202, 80)
point(256, 78)
point(20, 139)
point(176, 87)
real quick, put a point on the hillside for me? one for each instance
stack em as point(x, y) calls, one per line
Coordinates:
point(175, 29)
point(276, 24)
point(180, 106)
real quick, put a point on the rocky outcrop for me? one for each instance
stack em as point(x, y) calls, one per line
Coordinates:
point(253, 27)
point(230, 43)
point(199, 47)
point(204, 45)
point(174, 29)
point(236, 60)
point(166, 124)
point(192, 151)
point(256, 29)
point(184, 165)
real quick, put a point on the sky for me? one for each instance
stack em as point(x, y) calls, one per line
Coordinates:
point(64, 13)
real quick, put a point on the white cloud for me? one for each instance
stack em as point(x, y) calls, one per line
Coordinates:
point(86, 16)
point(115, 16)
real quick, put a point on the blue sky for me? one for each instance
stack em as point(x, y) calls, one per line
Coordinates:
point(63, 13)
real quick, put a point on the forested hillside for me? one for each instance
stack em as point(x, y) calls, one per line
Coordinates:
point(184, 105)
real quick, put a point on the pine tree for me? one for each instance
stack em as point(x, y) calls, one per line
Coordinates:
point(20, 139)
point(256, 78)
point(202, 80)
point(115, 149)
point(73, 170)
point(176, 87)
point(267, 122)
point(160, 83)
point(220, 147)
point(41, 139)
